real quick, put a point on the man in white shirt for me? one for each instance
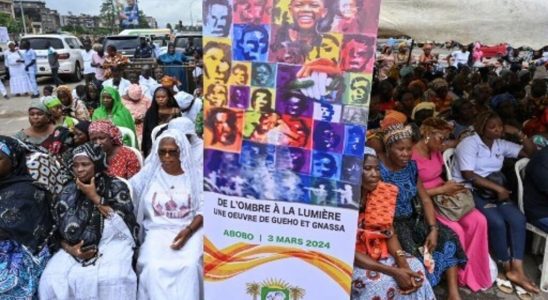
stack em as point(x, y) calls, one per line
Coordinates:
point(117, 81)
point(133, 78)
point(459, 57)
point(87, 57)
point(146, 80)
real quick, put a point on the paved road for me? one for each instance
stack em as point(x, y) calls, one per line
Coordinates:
point(13, 112)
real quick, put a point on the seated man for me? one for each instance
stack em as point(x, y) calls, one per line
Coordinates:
point(536, 190)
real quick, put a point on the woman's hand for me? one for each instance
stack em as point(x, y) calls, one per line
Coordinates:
point(89, 190)
point(431, 240)
point(77, 251)
point(407, 280)
point(180, 240)
point(503, 194)
point(451, 187)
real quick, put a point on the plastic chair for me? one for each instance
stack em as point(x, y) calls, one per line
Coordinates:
point(537, 232)
point(154, 133)
point(449, 161)
point(129, 133)
point(138, 154)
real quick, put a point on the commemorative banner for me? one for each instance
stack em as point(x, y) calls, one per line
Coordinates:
point(286, 100)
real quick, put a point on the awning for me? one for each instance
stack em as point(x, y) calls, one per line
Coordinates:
point(516, 22)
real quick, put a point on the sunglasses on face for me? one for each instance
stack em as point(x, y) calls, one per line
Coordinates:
point(170, 152)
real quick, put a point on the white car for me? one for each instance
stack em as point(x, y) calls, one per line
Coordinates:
point(67, 46)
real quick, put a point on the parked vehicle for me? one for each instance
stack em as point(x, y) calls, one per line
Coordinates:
point(125, 44)
point(182, 41)
point(146, 32)
point(67, 46)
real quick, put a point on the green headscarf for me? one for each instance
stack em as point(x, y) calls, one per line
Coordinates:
point(119, 115)
point(51, 102)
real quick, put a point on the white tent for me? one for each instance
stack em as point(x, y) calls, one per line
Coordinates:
point(516, 22)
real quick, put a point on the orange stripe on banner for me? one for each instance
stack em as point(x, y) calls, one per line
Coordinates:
point(238, 258)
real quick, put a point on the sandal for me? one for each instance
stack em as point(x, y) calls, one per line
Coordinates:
point(523, 294)
point(504, 285)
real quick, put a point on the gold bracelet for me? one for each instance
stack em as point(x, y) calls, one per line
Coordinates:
point(400, 253)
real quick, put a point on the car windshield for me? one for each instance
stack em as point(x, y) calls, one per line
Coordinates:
point(122, 43)
point(42, 43)
point(182, 41)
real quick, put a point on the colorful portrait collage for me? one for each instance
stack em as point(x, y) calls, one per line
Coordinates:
point(287, 86)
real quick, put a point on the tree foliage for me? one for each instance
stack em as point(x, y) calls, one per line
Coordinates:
point(14, 26)
point(108, 14)
point(143, 23)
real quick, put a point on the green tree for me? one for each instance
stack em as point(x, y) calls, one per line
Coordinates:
point(253, 289)
point(14, 26)
point(108, 14)
point(143, 23)
point(297, 293)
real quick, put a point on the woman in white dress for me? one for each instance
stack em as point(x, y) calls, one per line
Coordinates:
point(19, 80)
point(96, 222)
point(168, 197)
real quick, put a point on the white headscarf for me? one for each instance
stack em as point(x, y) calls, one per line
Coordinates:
point(186, 127)
point(140, 183)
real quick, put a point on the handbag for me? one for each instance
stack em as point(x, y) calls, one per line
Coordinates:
point(456, 206)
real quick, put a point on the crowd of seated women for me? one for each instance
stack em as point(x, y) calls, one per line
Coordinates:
point(490, 120)
point(84, 218)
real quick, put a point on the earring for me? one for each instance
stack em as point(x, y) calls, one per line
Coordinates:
point(427, 140)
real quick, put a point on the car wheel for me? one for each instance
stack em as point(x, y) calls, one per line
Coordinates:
point(77, 75)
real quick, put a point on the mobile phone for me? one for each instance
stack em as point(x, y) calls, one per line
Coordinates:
point(88, 248)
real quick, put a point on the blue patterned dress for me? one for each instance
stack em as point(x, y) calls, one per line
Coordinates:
point(412, 229)
point(20, 270)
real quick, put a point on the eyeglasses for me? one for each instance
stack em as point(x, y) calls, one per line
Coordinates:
point(171, 152)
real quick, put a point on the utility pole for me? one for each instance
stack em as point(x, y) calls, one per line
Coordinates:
point(191, 19)
point(23, 16)
point(113, 15)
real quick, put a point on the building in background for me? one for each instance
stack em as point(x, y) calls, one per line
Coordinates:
point(6, 6)
point(38, 17)
point(82, 20)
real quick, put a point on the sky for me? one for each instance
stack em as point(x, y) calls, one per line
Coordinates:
point(158, 9)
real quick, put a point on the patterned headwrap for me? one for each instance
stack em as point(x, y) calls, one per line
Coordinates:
point(105, 126)
point(13, 149)
point(51, 102)
point(93, 152)
point(134, 92)
point(423, 106)
point(168, 81)
point(396, 133)
point(64, 89)
point(393, 117)
point(78, 218)
point(369, 152)
point(83, 126)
